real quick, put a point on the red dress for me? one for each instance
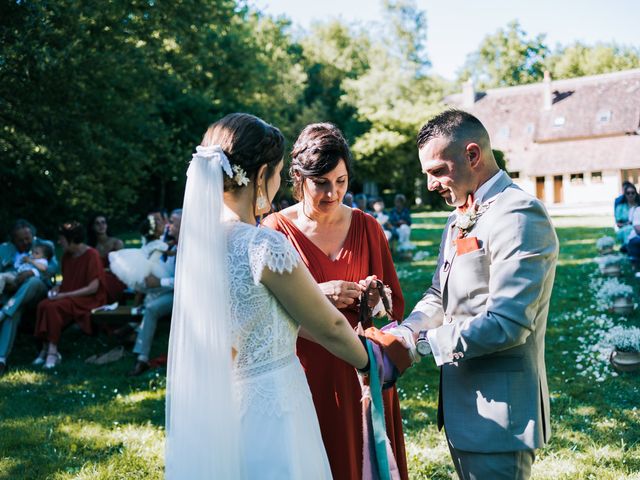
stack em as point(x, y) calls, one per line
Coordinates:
point(113, 286)
point(333, 382)
point(77, 272)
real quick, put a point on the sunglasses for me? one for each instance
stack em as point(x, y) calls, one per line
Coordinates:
point(630, 192)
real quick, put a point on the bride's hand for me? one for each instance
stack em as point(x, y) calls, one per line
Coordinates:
point(341, 293)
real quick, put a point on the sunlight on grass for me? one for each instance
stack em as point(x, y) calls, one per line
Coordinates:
point(417, 227)
point(574, 261)
point(553, 467)
point(141, 396)
point(424, 243)
point(585, 411)
point(579, 241)
point(430, 215)
point(595, 221)
point(25, 377)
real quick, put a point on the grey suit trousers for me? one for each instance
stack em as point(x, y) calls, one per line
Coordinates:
point(492, 466)
point(155, 307)
point(29, 294)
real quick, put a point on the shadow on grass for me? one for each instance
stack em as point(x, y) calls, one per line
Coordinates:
point(71, 419)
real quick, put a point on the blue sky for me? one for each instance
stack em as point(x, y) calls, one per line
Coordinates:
point(456, 27)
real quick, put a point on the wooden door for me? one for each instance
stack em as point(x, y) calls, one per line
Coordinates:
point(540, 188)
point(557, 189)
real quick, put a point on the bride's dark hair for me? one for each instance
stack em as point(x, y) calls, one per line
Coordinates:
point(248, 142)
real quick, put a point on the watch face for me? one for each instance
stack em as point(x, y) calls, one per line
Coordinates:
point(423, 347)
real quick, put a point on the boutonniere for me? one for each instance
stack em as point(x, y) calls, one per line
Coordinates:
point(467, 219)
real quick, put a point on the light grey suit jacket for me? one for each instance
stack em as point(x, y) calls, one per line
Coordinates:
point(490, 310)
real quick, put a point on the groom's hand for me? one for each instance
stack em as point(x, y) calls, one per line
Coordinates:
point(342, 294)
point(408, 339)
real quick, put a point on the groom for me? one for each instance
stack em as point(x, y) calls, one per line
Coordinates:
point(486, 310)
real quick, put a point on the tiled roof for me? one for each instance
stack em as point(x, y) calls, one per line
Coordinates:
point(593, 121)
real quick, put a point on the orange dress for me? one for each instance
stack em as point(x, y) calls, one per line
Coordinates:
point(77, 272)
point(333, 382)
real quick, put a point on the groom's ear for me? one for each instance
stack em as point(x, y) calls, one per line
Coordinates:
point(473, 154)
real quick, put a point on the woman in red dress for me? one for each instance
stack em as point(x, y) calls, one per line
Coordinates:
point(341, 247)
point(81, 290)
point(98, 238)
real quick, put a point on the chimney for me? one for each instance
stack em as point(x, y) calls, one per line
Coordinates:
point(546, 91)
point(468, 94)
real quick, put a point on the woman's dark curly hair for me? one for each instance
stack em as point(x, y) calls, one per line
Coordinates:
point(318, 150)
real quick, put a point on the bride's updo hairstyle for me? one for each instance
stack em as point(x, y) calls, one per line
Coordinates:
point(318, 150)
point(248, 142)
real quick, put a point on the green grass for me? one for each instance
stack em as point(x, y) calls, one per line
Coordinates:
point(91, 422)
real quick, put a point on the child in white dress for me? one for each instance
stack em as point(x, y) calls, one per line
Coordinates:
point(133, 265)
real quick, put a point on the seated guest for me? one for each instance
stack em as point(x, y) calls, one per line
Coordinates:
point(348, 200)
point(382, 218)
point(620, 198)
point(633, 244)
point(26, 289)
point(624, 213)
point(400, 220)
point(361, 203)
point(81, 290)
point(37, 262)
point(159, 301)
point(98, 238)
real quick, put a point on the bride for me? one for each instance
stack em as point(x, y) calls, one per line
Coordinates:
point(238, 403)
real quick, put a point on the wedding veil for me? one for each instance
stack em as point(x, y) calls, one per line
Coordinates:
point(201, 421)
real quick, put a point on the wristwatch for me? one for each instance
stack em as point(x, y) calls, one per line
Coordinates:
point(422, 344)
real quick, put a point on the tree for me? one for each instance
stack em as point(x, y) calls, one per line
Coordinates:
point(101, 104)
point(578, 60)
point(506, 58)
point(408, 29)
point(393, 97)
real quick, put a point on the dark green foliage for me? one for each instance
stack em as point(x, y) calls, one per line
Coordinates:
point(101, 103)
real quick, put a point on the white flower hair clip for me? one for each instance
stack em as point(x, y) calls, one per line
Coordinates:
point(240, 176)
point(215, 153)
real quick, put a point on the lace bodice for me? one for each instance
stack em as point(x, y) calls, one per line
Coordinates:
point(263, 334)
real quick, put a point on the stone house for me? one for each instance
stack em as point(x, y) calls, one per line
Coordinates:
point(569, 142)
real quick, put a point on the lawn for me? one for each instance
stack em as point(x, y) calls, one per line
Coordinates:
point(92, 422)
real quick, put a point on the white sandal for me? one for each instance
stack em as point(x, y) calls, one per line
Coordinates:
point(42, 356)
point(57, 359)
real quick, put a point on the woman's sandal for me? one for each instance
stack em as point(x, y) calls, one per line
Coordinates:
point(53, 359)
point(42, 356)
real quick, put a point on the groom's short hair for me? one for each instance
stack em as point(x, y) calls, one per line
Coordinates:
point(454, 124)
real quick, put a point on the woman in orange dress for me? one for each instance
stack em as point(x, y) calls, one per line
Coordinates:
point(81, 290)
point(341, 247)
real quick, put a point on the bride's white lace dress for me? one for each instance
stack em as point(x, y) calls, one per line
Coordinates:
point(280, 436)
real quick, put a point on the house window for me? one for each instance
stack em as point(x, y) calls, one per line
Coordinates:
point(577, 178)
point(514, 175)
point(596, 177)
point(558, 122)
point(503, 132)
point(529, 128)
point(603, 116)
